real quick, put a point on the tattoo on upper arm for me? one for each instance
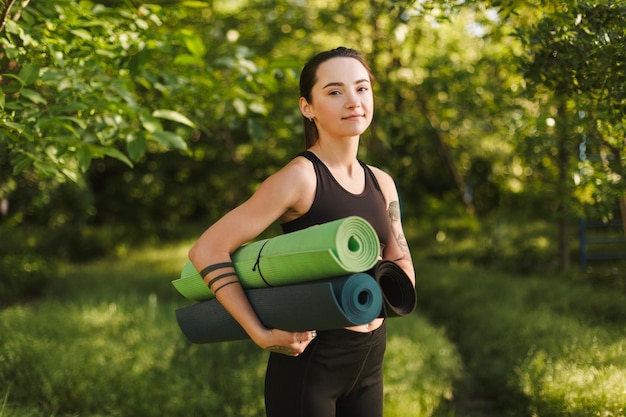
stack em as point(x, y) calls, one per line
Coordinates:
point(394, 211)
point(394, 216)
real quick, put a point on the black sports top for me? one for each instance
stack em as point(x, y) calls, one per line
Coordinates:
point(333, 202)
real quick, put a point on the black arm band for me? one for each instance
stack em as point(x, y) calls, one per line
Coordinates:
point(206, 271)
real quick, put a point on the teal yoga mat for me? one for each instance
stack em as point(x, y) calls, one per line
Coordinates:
point(333, 249)
point(319, 305)
point(399, 296)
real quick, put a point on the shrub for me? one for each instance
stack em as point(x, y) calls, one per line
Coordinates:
point(24, 276)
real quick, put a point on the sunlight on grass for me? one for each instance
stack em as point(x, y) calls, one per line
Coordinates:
point(420, 366)
point(555, 345)
point(588, 380)
point(105, 341)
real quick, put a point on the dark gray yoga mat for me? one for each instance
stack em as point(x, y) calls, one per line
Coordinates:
point(399, 296)
point(319, 305)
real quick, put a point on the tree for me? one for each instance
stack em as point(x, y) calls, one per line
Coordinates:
point(80, 81)
point(576, 50)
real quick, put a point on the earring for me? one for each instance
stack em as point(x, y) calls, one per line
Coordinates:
point(311, 119)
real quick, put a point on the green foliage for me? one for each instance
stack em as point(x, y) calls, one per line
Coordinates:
point(24, 276)
point(576, 52)
point(105, 342)
point(519, 244)
point(554, 347)
point(77, 83)
point(90, 88)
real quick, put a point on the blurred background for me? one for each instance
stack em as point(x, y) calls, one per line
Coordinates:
point(146, 118)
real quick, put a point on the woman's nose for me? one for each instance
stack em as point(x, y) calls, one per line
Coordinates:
point(352, 100)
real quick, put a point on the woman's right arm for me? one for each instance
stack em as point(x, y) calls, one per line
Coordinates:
point(280, 193)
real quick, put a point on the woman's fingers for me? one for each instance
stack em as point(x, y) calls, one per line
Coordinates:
point(306, 336)
point(299, 341)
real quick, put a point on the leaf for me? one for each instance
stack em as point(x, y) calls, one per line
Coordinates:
point(255, 130)
point(174, 116)
point(195, 4)
point(13, 27)
point(78, 121)
point(169, 139)
point(33, 96)
point(259, 108)
point(195, 45)
point(124, 93)
point(46, 168)
point(114, 153)
point(23, 163)
point(188, 59)
point(83, 154)
point(150, 123)
point(136, 146)
point(13, 76)
point(240, 106)
point(71, 175)
point(29, 73)
point(15, 126)
point(82, 33)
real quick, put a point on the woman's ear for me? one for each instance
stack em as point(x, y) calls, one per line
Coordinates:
point(305, 108)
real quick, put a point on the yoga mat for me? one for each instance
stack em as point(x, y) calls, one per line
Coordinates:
point(319, 305)
point(399, 296)
point(332, 249)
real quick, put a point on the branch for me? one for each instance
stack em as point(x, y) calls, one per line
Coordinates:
point(4, 17)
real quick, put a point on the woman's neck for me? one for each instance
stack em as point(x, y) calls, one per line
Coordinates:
point(337, 153)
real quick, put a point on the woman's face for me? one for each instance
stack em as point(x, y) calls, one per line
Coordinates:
point(342, 99)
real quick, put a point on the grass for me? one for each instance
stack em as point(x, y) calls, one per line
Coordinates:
point(103, 342)
point(533, 345)
point(497, 333)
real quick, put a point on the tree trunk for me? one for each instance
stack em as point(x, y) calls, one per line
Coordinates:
point(563, 188)
point(444, 152)
point(622, 210)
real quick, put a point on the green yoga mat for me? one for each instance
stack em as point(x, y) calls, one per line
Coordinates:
point(399, 296)
point(333, 249)
point(319, 305)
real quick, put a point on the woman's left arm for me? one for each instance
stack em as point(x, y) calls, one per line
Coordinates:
point(397, 248)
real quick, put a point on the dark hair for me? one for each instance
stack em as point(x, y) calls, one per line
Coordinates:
point(308, 78)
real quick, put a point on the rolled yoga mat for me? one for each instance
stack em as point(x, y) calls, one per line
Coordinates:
point(333, 249)
point(319, 305)
point(399, 296)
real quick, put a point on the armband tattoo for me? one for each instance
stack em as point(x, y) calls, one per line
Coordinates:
point(214, 280)
point(206, 271)
point(225, 285)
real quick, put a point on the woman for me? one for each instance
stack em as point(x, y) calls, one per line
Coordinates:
point(339, 372)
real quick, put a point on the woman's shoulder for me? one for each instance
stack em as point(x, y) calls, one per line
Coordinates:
point(383, 178)
point(297, 172)
point(299, 165)
point(386, 183)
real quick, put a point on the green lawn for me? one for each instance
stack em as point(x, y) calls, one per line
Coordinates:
point(533, 345)
point(103, 341)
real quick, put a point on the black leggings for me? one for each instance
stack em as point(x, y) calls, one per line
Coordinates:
point(340, 374)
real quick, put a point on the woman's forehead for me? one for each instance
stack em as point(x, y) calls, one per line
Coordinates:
point(341, 69)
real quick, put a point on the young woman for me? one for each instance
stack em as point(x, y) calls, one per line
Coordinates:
point(339, 372)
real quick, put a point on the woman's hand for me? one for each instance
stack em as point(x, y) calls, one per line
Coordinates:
point(286, 343)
